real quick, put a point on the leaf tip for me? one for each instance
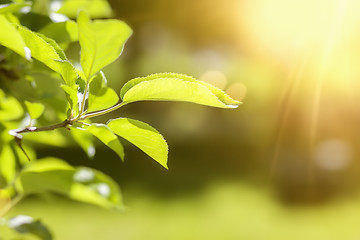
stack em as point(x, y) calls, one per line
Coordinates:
point(234, 105)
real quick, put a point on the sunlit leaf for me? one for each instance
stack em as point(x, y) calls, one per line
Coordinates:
point(85, 140)
point(100, 96)
point(52, 138)
point(61, 32)
point(27, 225)
point(13, 7)
point(35, 110)
point(50, 174)
point(7, 163)
point(5, 127)
point(143, 136)
point(47, 164)
point(10, 108)
point(99, 190)
point(101, 41)
point(95, 8)
point(175, 87)
point(75, 95)
point(81, 183)
point(104, 134)
point(71, 93)
point(50, 53)
point(11, 38)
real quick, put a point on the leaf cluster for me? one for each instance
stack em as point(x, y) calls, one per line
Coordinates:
point(35, 55)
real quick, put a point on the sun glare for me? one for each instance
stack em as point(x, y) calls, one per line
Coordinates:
point(317, 45)
point(325, 32)
point(287, 29)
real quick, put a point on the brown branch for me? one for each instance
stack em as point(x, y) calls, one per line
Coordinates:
point(63, 124)
point(18, 137)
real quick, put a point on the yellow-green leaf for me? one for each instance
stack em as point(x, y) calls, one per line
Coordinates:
point(7, 163)
point(143, 136)
point(81, 183)
point(175, 87)
point(100, 96)
point(85, 140)
point(50, 53)
point(61, 32)
point(101, 41)
point(10, 108)
point(35, 110)
point(71, 93)
point(11, 38)
point(104, 134)
point(13, 7)
point(51, 138)
point(95, 8)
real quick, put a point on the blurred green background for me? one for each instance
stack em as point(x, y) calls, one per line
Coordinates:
point(284, 165)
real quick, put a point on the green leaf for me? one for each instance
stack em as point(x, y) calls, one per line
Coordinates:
point(71, 93)
point(10, 108)
point(143, 136)
point(35, 110)
point(50, 53)
point(101, 41)
point(13, 7)
point(62, 32)
point(100, 96)
point(47, 164)
point(74, 95)
point(11, 38)
point(104, 134)
point(27, 225)
point(81, 183)
point(95, 187)
point(95, 8)
point(50, 174)
point(5, 127)
point(85, 140)
point(7, 163)
point(35, 20)
point(175, 87)
point(51, 138)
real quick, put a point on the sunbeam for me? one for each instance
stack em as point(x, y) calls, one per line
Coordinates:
point(284, 108)
point(330, 42)
point(316, 45)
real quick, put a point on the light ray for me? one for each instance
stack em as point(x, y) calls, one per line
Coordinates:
point(287, 101)
point(331, 41)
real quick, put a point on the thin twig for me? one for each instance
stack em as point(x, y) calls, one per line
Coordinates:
point(18, 142)
point(18, 137)
point(102, 112)
point(63, 124)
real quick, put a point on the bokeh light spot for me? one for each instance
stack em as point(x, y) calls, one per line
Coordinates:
point(216, 78)
point(333, 154)
point(237, 91)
